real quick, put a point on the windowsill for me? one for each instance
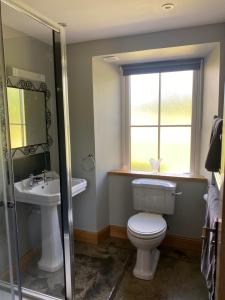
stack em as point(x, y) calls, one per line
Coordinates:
point(186, 177)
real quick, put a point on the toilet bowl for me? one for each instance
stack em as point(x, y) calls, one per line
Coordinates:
point(152, 198)
point(146, 231)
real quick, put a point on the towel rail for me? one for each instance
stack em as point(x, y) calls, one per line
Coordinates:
point(207, 230)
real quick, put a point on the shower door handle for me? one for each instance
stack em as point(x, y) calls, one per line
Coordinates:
point(10, 204)
point(177, 193)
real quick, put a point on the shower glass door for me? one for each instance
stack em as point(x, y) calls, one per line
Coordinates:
point(10, 287)
point(9, 275)
point(9, 271)
point(36, 98)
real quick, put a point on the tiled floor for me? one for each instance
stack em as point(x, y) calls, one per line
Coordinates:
point(104, 272)
point(177, 277)
point(8, 296)
point(98, 269)
point(5, 296)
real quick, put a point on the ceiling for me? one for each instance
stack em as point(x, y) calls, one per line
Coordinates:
point(171, 53)
point(97, 19)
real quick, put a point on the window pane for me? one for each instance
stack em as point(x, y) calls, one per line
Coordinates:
point(144, 146)
point(144, 99)
point(176, 98)
point(18, 135)
point(14, 105)
point(175, 149)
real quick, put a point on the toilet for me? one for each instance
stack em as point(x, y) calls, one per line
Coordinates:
point(147, 229)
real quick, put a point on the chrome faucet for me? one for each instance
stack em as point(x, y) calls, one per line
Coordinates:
point(45, 178)
point(31, 180)
point(34, 180)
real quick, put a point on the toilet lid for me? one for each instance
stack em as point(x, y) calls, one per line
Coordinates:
point(146, 224)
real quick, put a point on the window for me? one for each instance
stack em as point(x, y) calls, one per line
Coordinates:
point(17, 120)
point(162, 122)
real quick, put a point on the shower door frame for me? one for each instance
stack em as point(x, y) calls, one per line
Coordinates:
point(62, 105)
point(10, 205)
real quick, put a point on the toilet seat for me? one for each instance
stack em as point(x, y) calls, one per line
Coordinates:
point(146, 225)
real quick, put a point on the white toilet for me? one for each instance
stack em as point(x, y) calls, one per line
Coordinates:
point(147, 229)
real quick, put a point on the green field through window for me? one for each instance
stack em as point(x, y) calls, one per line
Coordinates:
point(161, 120)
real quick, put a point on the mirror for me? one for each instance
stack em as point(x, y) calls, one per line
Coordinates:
point(27, 117)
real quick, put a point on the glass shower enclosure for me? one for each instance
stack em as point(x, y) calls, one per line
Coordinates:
point(36, 228)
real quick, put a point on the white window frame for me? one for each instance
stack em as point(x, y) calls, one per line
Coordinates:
point(195, 125)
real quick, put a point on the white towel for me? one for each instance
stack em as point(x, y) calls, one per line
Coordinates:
point(208, 261)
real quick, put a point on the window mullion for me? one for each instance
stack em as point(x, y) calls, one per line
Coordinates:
point(126, 133)
point(196, 121)
point(159, 116)
point(177, 125)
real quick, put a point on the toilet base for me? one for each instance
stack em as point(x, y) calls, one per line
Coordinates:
point(146, 263)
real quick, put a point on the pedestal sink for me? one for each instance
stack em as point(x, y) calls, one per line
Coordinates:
point(47, 195)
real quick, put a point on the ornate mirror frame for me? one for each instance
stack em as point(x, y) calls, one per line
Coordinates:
point(40, 87)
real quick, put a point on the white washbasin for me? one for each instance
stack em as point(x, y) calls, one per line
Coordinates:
point(45, 193)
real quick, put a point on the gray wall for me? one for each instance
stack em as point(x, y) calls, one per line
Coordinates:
point(211, 95)
point(187, 219)
point(107, 143)
point(81, 98)
point(107, 130)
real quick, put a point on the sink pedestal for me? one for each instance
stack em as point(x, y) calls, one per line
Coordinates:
point(52, 254)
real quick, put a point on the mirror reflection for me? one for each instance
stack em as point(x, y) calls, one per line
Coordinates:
point(27, 117)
